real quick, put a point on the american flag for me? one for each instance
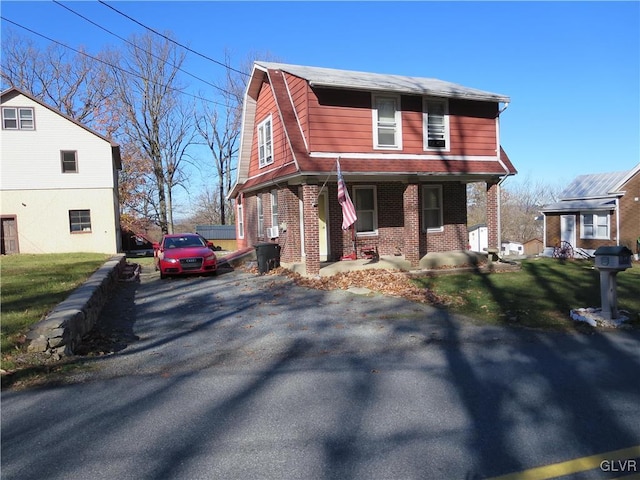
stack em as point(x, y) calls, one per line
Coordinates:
point(348, 210)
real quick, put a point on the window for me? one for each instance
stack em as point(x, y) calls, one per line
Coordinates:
point(17, 118)
point(594, 225)
point(265, 143)
point(240, 220)
point(260, 216)
point(436, 124)
point(274, 208)
point(387, 122)
point(432, 208)
point(366, 209)
point(69, 161)
point(79, 221)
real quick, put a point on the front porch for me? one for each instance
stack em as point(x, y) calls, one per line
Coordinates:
point(431, 261)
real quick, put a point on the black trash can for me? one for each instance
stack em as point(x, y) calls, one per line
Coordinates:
point(268, 255)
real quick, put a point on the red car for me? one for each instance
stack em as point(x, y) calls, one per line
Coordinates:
point(182, 253)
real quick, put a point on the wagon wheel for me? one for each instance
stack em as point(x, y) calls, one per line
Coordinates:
point(564, 250)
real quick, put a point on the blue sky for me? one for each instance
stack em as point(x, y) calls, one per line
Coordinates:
point(572, 69)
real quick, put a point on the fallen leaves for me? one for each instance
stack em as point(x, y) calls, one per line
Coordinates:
point(387, 282)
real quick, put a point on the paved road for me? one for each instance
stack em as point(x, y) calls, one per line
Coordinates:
point(247, 377)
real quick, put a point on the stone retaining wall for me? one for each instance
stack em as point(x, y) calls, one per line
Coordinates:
point(61, 331)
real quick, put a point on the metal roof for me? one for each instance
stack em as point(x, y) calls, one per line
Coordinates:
point(581, 205)
point(217, 232)
point(594, 185)
point(332, 78)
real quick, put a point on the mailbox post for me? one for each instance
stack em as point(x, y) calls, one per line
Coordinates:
point(610, 261)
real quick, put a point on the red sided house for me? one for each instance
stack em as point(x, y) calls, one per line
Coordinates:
point(596, 210)
point(407, 147)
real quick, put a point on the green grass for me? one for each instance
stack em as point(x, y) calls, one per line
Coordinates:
point(540, 295)
point(31, 285)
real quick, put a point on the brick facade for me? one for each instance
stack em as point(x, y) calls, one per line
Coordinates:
point(628, 217)
point(399, 232)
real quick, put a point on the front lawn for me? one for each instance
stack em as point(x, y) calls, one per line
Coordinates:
point(539, 295)
point(31, 285)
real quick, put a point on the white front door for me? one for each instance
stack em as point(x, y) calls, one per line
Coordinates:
point(568, 229)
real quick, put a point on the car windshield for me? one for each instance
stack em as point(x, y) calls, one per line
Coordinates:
point(184, 242)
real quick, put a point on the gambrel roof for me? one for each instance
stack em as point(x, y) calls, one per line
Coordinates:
point(354, 80)
point(308, 163)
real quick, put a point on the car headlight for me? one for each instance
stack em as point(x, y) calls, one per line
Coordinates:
point(210, 258)
point(171, 260)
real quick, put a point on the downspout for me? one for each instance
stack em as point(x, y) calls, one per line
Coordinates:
point(617, 222)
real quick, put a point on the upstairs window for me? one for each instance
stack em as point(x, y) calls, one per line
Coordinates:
point(387, 122)
point(79, 221)
point(17, 118)
point(432, 208)
point(69, 161)
point(594, 225)
point(436, 124)
point(265, 142)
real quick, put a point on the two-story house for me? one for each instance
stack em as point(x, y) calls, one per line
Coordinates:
point(407, 147)
point(58, 181)
point(596, 210)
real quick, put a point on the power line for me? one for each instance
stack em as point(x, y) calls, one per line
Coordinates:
point(139, 48)
point(116, 67)
point(173, 41)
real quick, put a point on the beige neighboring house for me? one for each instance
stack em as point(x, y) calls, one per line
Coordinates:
point(58, 181)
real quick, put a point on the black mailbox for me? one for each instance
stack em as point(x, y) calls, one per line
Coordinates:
point(613, 258)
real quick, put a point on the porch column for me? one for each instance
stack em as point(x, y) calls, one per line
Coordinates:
point(311, 241)
point(411, 224)
point(493, 216)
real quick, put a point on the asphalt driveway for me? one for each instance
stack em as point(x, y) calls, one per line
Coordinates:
point(242, 376)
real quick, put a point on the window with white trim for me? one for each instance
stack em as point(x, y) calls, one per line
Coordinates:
point(432, 208)
point(79, 221)
point(265, 142)
point(260, 216)
point(594, 225)
point(17, 118)
point(365, 201)
point(69, 160)
point(435, 116)
point(387, 122)
point(240, 219)
point(274, 208)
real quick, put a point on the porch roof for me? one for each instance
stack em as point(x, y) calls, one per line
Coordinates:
point(581, 205)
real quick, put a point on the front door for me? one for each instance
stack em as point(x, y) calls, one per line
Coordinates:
point(323, 227)
point(9, 229)
point(568, 229)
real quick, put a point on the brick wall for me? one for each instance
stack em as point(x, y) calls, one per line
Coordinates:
point(492, 215)
point(630, 213)
point(311, 244)
point(399, 222)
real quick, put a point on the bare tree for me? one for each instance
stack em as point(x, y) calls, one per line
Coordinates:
point(521, 204)
point(155, 115)
point(74, 83)
point(219, 127)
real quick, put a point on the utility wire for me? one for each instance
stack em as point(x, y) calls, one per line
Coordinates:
point(140, 48)
point(133, 74)
point(171, 40)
